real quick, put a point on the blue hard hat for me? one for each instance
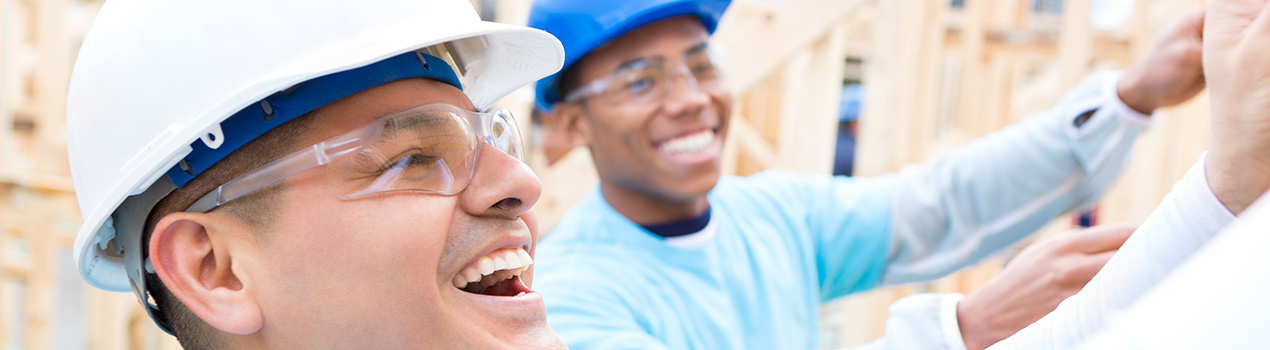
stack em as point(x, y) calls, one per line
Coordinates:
point(583, 25)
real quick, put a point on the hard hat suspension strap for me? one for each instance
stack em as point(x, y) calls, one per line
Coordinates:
point(258, 118)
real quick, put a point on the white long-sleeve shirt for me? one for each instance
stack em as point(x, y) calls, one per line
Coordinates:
point(1182, 225)
point(1215, 300)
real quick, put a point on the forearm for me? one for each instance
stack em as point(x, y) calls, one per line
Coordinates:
point(1186, 219)
point(1237, 174)
point(1210, 301)
point(993, 192)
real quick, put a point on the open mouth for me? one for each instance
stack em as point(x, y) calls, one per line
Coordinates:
point(496, 274)
point(689, 144)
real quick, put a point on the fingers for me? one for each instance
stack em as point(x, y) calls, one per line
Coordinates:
point(1261, 25)
point(1192, 22)
point(1086, 267)
point(1226, 21)
point(1100, 238)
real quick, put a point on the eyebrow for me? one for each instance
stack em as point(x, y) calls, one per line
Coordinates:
point(636, 62)
point(695, 49)
point(417, 124)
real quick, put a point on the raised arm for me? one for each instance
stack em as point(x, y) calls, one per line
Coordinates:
point(1234, 173)
point(972, 202)
point(964, 206)
point(1031, 285)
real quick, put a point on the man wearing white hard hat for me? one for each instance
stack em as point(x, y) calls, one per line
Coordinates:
point(303, 174)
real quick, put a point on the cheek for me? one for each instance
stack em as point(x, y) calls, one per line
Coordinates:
point(622, 132)
point(343, 254)
point(723, 103)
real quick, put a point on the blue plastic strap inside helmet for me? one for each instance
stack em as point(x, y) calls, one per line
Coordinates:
point(260, 117)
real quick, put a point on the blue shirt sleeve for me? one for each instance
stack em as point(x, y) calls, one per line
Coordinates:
point(844, 222)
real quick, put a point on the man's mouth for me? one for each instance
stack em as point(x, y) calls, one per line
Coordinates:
point(496, 274)
point(690, 144)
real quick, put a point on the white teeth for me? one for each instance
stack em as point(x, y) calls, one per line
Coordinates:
point(493, 268)
point(524, 257)
point(521, 293)
point(485, 265)
point(513, 259)
point(689, 144)
point(472, 275)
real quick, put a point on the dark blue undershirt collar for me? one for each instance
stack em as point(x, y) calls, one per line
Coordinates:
point(680, 228)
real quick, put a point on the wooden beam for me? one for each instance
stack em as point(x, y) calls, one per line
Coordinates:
point(759, 39)
point(896, 126)
point(1075, 43)
point(971, 104)
point(751, 141)
point(51, 75)
point(809, 116)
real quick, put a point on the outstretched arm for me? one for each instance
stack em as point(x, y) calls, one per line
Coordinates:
point(954, 211)
point(972, 202)
point(1029, 287)
point(1234, 173)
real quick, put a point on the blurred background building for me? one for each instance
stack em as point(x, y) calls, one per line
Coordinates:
point(924, 76)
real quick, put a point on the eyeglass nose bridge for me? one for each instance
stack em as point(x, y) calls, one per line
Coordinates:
point(506, 140)
point(673, 78)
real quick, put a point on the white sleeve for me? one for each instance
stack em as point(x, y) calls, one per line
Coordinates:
point(1186, 219)
point(1215, 300)
point(977, 199)
point(921, 321)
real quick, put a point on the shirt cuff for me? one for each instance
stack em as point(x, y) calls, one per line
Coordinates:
point(1113, 101)
point(1209, 213)
point(948, 317)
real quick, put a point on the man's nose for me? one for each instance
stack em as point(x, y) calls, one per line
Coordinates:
point(501, 186)
point(686, 98)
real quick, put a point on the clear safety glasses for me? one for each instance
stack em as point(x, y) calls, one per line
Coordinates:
point(431, 148)
point(649, 80)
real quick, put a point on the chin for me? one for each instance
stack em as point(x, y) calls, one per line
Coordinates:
point(537, 337)
point(695, 186)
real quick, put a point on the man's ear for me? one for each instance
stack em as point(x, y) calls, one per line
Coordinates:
point(571, 123)
point(193, 254)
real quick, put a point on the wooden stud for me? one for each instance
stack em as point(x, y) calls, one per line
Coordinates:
point(764, 38)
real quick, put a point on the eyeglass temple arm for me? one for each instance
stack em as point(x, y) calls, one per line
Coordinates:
point(318, 154)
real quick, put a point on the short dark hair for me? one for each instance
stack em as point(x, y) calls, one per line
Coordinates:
point(254, 209)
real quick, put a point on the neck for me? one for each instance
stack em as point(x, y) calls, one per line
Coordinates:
point(646, 209)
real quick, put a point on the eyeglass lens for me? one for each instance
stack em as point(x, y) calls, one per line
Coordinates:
point(652, 79)
point(426, 150)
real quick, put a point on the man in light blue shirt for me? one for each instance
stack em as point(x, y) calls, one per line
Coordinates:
point(667, 254)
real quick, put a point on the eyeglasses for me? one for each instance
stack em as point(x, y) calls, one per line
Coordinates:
point(431, 148)
point(649, 80)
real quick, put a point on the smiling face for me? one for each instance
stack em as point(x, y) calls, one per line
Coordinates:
point(381, 271)
point(658, 160)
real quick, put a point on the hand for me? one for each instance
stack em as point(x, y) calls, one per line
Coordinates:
point(1170, 73)
point(1035, 282)
point(1236, 52)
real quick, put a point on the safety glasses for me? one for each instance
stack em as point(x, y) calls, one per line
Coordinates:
point(431, 148)
point(650, 80)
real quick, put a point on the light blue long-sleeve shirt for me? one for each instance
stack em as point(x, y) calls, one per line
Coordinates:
point(780, 243)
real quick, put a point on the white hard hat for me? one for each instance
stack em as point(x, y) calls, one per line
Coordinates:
point(155, 79)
